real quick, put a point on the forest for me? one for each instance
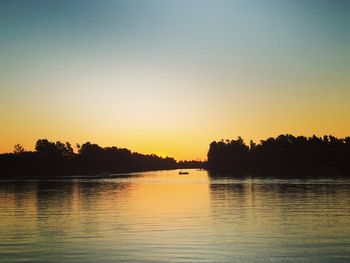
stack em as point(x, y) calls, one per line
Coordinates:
point(57, 158)
point(285, 153)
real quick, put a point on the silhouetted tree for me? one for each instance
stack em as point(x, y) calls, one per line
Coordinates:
point(228, 154)
point(283, 153)
point(18, 149)
point(57, 158)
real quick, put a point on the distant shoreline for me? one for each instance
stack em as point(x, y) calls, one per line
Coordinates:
point(85, 176)
point(284, 154)
point(55, 159)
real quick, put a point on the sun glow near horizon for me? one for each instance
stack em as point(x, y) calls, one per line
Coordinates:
point(170, 77)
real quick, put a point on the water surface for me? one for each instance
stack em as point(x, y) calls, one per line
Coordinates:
point(162, 216)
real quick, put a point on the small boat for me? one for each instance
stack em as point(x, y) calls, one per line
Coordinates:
point(181, 172)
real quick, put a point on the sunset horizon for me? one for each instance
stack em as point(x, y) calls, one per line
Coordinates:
point(175, 131)
point(169, 77)
point(76, 145)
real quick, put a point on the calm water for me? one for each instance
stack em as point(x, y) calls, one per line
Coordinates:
point(163, 216)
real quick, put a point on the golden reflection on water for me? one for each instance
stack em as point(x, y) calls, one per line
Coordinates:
point(160, 216)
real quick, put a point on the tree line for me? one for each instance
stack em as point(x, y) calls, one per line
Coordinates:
point(57, 158)
point(285, 153)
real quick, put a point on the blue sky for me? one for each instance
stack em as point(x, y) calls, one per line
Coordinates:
point(170, 76)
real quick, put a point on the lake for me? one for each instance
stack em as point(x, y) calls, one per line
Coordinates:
point(166, 217)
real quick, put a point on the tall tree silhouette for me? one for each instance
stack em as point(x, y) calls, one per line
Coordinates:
point(283, 153)
point(18, 149)
point(57, 158)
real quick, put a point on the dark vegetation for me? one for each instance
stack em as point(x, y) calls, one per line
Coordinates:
point(285, 153)
point(57, 158)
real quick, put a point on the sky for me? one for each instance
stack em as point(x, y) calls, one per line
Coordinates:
point(168, 77)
